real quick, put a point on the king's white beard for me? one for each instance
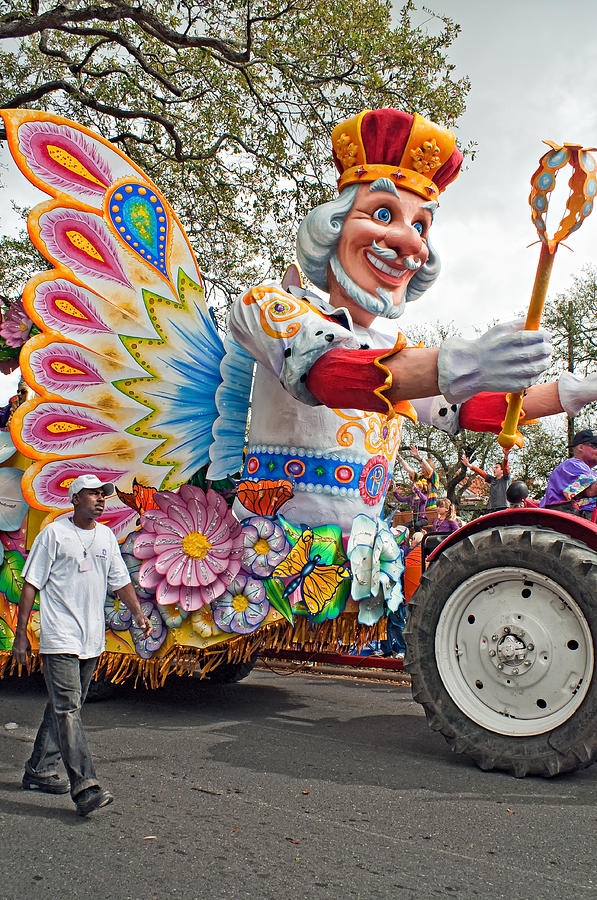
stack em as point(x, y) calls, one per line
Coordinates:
point(380, 304)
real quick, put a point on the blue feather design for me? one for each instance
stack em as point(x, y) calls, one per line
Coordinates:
point(187, 398)
point(232, 402)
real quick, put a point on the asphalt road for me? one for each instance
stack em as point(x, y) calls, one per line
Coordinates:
point(293, 786)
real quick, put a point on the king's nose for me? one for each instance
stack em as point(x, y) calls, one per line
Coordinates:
point(404, 239)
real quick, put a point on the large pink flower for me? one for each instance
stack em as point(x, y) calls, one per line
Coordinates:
point(16, 325)
point(191, 545)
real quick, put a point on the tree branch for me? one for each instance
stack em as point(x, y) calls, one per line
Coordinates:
point(63, 16)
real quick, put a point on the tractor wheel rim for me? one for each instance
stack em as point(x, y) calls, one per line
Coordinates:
point(514, 651)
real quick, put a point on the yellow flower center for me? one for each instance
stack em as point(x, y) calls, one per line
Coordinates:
point(261, 547)
point(240, 602)
point(196, 545)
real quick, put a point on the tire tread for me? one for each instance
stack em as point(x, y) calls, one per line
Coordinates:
point(565, 748)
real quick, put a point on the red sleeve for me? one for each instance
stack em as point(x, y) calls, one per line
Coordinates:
point(483, 412)
point(348, 379)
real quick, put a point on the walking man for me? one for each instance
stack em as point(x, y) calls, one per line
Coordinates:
point(73, 561)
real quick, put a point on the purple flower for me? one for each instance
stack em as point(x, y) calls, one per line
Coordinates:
point(147, 646)
point(16, 325)
point(119, 618)
point(133, 565)
point(242, 607)
point(266, 545)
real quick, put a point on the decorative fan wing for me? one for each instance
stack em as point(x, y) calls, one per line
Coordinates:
point(128, 361)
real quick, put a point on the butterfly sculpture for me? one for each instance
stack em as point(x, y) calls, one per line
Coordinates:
point(129, 370)
point(317, 582)
point(140, 499)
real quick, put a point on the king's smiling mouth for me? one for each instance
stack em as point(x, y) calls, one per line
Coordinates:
point(393, 271)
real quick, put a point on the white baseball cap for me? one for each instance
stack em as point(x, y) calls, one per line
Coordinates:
point(89, 482)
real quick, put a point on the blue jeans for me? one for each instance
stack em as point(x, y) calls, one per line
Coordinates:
point(395, 643)
point(61, 733)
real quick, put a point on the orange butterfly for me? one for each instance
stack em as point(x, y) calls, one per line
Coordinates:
point(264, 498)
point(318, 583)
point(141, 499)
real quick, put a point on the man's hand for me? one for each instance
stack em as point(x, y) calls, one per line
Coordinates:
point(415, 451)
point(465, 461)
point(131, 601)
point(506, 358)
point(144, 624)
point(21, 649)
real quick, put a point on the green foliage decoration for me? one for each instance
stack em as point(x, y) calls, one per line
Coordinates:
point(11, 580)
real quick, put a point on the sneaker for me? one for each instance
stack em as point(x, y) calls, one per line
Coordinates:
point(92, 798)
point(48, 784)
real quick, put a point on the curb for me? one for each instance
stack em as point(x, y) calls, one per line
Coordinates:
point(287, 668)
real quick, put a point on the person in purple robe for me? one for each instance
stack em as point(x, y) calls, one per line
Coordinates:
point(575, 479)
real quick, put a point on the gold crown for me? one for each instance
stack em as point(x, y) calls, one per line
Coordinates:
point(414, 152)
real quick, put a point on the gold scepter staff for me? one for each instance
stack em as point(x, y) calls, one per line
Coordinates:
point(583, 189)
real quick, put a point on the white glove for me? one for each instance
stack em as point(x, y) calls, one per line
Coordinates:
point(505, 358)
point(575, 392)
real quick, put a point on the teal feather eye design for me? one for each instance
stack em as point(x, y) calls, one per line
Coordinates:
point(138, 215)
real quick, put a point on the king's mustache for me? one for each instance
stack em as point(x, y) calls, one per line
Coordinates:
point(409, 262)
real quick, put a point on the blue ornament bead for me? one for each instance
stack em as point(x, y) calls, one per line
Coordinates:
point(545, 182)
point(557, 158)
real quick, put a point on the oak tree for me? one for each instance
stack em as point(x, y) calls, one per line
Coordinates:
point(228, 106)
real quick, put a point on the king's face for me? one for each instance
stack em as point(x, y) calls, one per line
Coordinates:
point(384, 240)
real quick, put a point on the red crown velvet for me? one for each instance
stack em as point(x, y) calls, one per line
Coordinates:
point(415, 153)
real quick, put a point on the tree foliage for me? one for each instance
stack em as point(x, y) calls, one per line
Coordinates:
point(228, 106)
point(18, 261)
point(570, 319)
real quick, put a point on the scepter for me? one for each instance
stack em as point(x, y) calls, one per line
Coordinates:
point(583, 188)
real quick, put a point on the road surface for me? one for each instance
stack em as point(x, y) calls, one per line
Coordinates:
point(285, 786)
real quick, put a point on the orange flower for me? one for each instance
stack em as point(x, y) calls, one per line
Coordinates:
point(264, 498)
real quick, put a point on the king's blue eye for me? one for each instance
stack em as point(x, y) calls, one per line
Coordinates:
point(418, 226)
point(383, 215)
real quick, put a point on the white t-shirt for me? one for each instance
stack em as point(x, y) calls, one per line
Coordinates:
point(72, 601)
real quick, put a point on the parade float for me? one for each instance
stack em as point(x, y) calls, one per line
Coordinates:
point(251, 467)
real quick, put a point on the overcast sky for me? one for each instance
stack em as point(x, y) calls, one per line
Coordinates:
point(533, 74)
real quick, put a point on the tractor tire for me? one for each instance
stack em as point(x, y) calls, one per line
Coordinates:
point(501, 639)
point(228, 673)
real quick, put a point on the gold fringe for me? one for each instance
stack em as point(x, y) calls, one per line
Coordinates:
point(9, 666)
point(335, 635)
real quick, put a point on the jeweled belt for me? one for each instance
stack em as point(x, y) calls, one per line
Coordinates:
point(336, 474)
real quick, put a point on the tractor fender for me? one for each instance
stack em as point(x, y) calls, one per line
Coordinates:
point(571, 526)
